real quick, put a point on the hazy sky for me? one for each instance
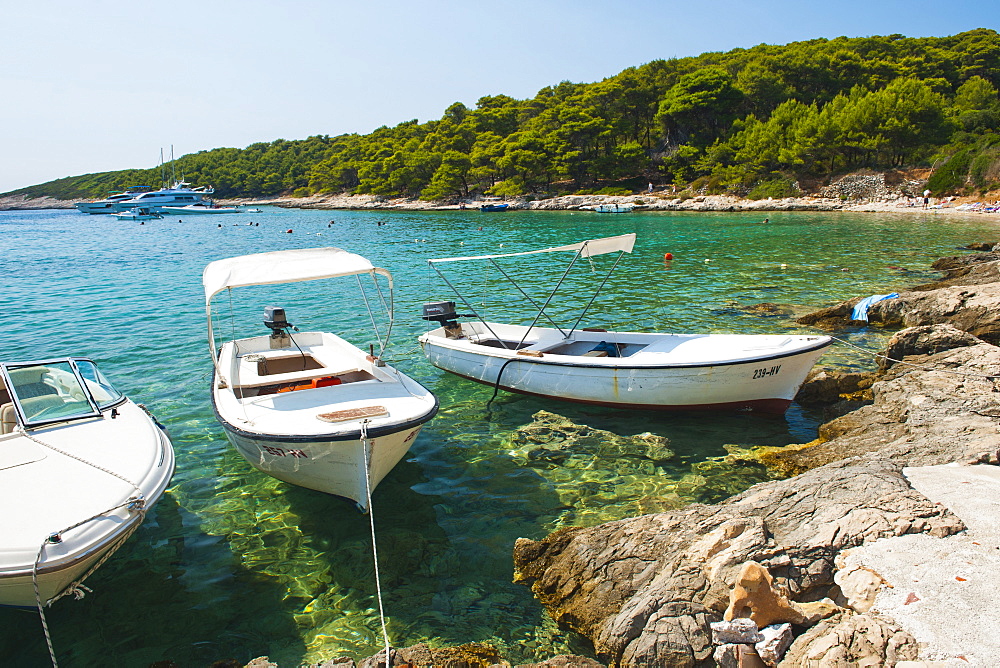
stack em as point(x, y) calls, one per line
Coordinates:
point(98, 85)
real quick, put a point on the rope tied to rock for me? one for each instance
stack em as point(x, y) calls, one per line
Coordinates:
point(923, 367)
point(134, 504)
point(366, 446)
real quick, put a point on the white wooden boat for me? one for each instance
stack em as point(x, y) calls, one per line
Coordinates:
point(620, 369)
point(203, 209)
point(80, 465)
point(311, 408)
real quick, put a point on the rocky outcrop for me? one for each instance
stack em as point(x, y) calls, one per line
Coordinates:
point(645, 590)
point(23, 202)
point(929, 409)
point(973, 308)
point(851, 640)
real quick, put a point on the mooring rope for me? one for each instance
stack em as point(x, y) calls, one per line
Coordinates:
point(923, 367)
point(77, 588)
point(371, 521)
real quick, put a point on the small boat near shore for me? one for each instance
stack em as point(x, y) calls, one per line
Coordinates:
point(311, 408)
point(80, 465)
point(202, 209)
point(633, 370)
point(139, 213)
point(613, 208)
point(493, 208)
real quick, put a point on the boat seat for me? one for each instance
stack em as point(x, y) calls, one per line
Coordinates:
point(8, 418)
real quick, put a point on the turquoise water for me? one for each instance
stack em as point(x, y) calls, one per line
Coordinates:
point(232, 563)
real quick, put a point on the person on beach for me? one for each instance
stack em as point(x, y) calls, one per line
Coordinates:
point(927, 198)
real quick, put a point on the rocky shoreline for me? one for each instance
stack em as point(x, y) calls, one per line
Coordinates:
point(658, 201)
point(651, 590)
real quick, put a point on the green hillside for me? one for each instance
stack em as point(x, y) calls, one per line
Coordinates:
point(748, 121)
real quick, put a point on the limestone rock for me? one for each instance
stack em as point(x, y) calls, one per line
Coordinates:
point(944, 409)
point(742, 630)
point(261, 662)
point(564, 661)
point(826, 386)
point(754, 596)
point(859, 585)
point(737, 656)
point(776, 639)
point(646, 589)
point(813, 611)
point(471, 655)
point(851, 640)
point(924, 340)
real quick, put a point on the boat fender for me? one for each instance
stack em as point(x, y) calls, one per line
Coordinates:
point(668, 256)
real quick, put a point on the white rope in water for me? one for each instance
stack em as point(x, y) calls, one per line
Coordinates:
point(924, 367)
point(77, 588)
point(371, 521)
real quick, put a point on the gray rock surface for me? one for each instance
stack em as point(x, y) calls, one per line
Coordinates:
point(646, 589)
point(851, 640)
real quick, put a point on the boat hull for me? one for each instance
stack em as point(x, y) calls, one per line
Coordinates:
point(766, 383)
point(82, 547)
point(197, 210)
point(334, 467)
point(308, 426)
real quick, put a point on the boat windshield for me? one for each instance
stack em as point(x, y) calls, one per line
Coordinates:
point(58, 390)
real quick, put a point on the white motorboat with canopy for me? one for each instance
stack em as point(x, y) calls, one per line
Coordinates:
point(310, 408)
point(80, 465)
point(619, 369)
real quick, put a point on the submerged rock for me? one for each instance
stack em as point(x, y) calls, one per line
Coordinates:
point(554, 439)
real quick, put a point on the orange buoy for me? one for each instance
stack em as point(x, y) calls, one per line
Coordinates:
point(288, 231)
point(668, 256)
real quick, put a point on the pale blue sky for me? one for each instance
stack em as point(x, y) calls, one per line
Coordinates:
point(104, 84)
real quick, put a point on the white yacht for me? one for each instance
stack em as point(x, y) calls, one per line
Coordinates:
point(179, 194)
point(106, 205)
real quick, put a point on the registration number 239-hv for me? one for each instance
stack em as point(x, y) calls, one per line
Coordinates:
point(766, 372)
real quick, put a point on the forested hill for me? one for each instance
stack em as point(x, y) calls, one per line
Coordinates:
point(747, 120)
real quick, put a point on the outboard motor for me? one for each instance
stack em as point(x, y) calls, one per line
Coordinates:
point(275, 320)
point(444, 314)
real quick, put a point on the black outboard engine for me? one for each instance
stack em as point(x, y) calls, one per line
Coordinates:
point(274, 319)
point(444, 313)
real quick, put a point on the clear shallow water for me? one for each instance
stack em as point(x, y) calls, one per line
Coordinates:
point(232, 563)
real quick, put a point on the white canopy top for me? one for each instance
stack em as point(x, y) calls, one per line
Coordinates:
point(589, 248)
point(285, 266)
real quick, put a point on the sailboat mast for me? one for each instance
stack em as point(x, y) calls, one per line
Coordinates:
point(173, 172)
point(163, 179)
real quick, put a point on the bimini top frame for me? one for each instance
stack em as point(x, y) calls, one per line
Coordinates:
point(287, 266)
point(621, 244)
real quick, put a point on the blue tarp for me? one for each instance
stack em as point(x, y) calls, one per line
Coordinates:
point(860, 311)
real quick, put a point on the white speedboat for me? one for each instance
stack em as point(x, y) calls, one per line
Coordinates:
point(106, 205)
point(202, 209)
point(179, 194)
point(311, 408)
point(80, 465)
point(619, 369)
point(138, 213)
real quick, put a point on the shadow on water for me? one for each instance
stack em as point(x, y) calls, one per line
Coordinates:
point(148, 604)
